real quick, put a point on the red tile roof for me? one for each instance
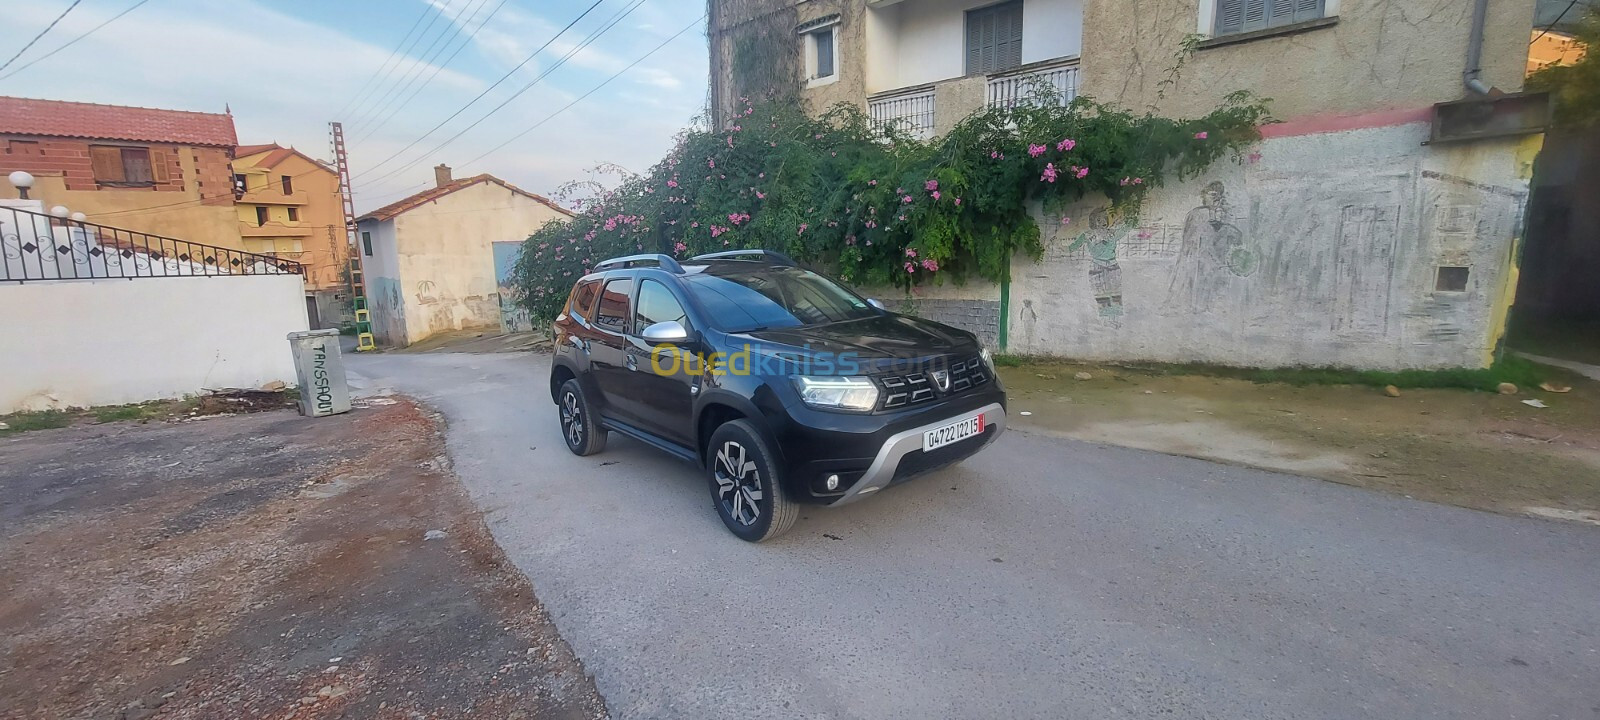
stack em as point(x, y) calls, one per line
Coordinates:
point(248, 150)
point(55, 118)
point(389, 211)
point(277, 154)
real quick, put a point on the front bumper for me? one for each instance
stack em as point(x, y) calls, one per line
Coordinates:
point(886, 468)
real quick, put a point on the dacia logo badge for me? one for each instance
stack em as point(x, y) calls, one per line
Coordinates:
point(942, 379)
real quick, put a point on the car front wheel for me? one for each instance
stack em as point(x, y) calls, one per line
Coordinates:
point(746, 486)
point(579, 427)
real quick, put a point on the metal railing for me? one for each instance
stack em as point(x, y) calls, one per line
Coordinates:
point(36, 246)
point(910, 112)
point(1027, 85)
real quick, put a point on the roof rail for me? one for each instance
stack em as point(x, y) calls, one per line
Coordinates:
point(772, 255)
point(665, 261)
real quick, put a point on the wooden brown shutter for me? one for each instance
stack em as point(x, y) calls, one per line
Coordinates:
point(158, 166)
point(107, 163)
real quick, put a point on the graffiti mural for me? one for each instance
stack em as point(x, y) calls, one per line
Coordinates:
point(1213, 252)
point(1099, 242)
point(513, 316)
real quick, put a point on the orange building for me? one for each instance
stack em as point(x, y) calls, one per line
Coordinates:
point(288, 205)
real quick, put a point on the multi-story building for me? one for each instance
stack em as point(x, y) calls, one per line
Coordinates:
point(1375, 226)
point(164, 172)
point(289, 205)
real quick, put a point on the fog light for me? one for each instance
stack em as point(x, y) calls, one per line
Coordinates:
point(833, 482)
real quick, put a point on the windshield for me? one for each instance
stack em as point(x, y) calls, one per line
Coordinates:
point(743, 300)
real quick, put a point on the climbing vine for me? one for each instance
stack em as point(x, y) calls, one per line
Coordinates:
point(874, 206)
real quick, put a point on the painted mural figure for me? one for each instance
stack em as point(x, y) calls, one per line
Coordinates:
point(1105, 275)
point(1213, 250)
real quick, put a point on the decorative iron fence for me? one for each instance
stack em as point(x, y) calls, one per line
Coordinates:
point(911, 112)
point(1024, 86)
point(35, 246)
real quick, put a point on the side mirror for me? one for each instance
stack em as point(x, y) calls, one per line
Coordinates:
point(876, 303)
point(670, 331)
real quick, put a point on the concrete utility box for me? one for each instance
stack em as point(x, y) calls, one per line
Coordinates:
point(318, 364)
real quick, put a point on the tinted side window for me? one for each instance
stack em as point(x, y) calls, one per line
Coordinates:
point(613, 311)
point(582, 305)
point(657, 305)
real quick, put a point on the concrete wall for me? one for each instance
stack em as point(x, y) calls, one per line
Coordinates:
point(974, 307)
point(82, 343)
point(434, 270)
point(1379, 54)
point(1321, 249)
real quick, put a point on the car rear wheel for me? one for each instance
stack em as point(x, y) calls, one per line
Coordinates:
point(746, 485)
point(579, 427)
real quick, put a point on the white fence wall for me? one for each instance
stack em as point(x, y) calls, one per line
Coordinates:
point(82, 343)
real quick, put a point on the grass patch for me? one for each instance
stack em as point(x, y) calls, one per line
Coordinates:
point(44, 420)
point(119, 412)
point(1515, 370)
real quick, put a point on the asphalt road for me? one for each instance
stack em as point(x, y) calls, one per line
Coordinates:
point(1042, 578)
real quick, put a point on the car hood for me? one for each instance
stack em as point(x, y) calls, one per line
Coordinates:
point(883, 337)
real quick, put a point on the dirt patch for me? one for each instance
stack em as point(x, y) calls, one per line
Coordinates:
point(263, 566)
point(1474, 449)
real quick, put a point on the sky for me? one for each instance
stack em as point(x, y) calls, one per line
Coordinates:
point(286, 68)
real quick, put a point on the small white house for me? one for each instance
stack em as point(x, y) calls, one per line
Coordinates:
point(429, 259)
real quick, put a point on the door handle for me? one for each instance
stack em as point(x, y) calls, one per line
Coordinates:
point(578, 343)
point(633, 362)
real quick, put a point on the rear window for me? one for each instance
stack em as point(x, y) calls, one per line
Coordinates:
point(582, 303)
point(615, 305)
point(774, 298)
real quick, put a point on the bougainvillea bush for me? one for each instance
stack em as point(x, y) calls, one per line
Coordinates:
point(873, 206)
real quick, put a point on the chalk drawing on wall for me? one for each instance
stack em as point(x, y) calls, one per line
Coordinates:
point(513, 316)
point(1213, 251)
point(1105, 275)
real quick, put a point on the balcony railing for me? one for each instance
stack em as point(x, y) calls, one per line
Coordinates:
point(1027, 85)
point(910, 111)
point(35, 246)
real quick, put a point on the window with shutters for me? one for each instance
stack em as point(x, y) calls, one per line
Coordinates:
point(116, 166)
point(261, 215)
point(994, 38)
point(821, 51)
point(1240, 16)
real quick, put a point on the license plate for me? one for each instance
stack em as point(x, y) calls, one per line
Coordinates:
point(954, 432)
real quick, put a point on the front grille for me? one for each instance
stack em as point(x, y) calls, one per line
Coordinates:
point(906, 389)
point(922, 462)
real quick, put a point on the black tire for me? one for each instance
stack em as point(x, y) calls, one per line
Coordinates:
point(746, 484)
point(579, 427)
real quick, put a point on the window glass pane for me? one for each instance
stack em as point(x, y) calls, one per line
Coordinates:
point(657, 304)
point(613, 311)
point(824, 41)
point(583, 300)
point(366, 243)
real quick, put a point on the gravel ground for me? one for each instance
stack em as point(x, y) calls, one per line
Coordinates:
point(263, 566)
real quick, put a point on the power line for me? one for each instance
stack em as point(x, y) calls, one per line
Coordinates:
point(437, 68)
point(580, 98)
point(356, 98)
point(405, 55)
point(486, 91)
point(426, 58)
point(586, 42)
point(1557, 21)
point(41, 34)
point(69, 43)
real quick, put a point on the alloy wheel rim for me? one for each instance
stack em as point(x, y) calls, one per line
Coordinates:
point(572, 419)
point(739, 489)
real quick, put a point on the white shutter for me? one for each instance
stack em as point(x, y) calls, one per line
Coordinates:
point(1230, 17)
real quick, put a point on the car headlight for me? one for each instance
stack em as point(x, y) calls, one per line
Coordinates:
point(837, 393)
point(988, 357)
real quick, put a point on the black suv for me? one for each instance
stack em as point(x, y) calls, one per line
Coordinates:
point(786, 387)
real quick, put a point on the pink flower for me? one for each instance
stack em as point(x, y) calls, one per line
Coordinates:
point(680, 247)
point(711, 162)
point(931, 185)
point(930, 265)
point(911, 267)
point(730, 141)
point(1066, 220)
point(902, 218)
point(958, 202)
point(672, 183)
point(835, 154)
point(906, 199)
point(1081, 173)
point(1201, 135)
point(760, 195)
point(870, 225)
point(1049, 174)
point(873, 183)
point(911, 252)
point(1036, 150)
point(849, 239)
point(695, 224)
point(936, 194)
point(802, 226)
point(1066, 144)
point(761, 175)
point(819, 136)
